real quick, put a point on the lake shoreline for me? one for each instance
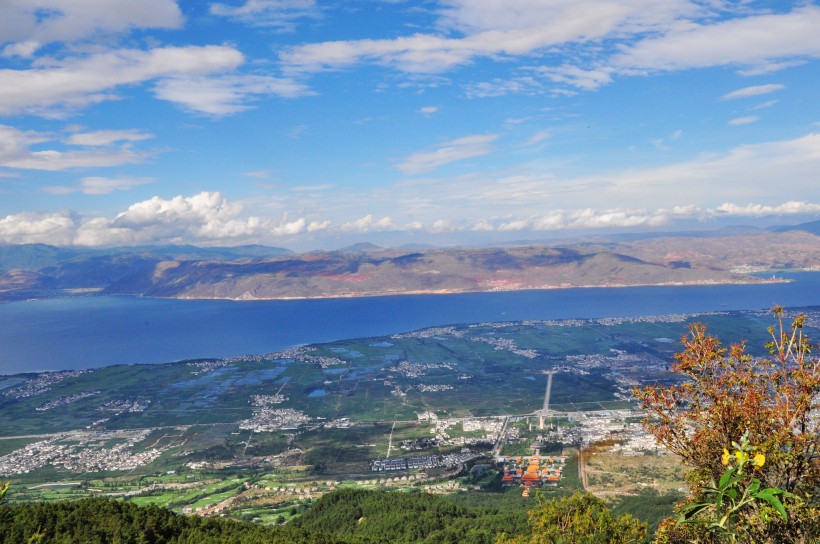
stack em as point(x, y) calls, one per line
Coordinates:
point(444, 292)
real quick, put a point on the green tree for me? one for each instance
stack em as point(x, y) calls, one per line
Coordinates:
point(727, 395)
point(578, 519)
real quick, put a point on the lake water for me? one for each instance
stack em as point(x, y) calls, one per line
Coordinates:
point(87, 332)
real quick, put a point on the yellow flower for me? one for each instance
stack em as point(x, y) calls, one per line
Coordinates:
point(725, 457)
point(741, 456)
point(759, 460)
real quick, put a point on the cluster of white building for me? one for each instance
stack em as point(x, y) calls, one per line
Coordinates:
point(82, 451)
point(270, 419)
point(41, 383)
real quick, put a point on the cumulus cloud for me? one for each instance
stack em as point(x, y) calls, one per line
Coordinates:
point(589, 218)
point(29, 25)
point(278, 14)
point(34, 228)
point(368, 224)
point(206, 217)
point(792, 207)
point(586, 218)
point(316, 226)
point(442, 225)
point(454, 150)
point(755, 90)
point(77, 82)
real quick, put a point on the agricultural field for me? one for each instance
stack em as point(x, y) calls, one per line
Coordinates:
point(259, 437)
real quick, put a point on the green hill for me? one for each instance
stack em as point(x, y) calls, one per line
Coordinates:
point(343, 517)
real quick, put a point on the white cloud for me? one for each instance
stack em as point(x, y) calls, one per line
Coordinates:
point(454, 150)
point(33, 228)
point(587, 80)
point(791, 207)
point(650, 35)
point(489, 28)
point(538, 137)
point(764, 105)
point(30, 24)
point(502, 87)
point(769, 67)
point(368, 224)
point(738, 121)
point(316, 226)
point(754, 90)
point(203, 217)
point(14, 143)
point(107, 137)
point(428, 110)
point(225, 95)
point(258, 174)
point(312, 188)
point(59, 190)
point(66, 160)
point(589, 218)
point(16, 151)
point(96, 185)
point(593, 16)
point(77, 82)
point(279, 14)
point(746, 41)
point(442, 225)
point(206, 218)
point(284, 228)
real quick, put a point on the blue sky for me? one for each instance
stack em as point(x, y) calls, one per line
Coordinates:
point(310, 124)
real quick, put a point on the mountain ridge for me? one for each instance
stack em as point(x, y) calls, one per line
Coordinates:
point(260, 273)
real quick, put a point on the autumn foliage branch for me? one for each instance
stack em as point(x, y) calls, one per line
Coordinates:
point(728, 394)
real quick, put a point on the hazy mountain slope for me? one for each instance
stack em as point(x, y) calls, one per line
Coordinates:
point(812, 227)
point(435, 271)
point(241, 273)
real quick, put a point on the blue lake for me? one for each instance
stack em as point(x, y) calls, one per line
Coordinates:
point(87, 332)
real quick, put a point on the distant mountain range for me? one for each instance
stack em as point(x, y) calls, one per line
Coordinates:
point(812, 227)
point(259, 272)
